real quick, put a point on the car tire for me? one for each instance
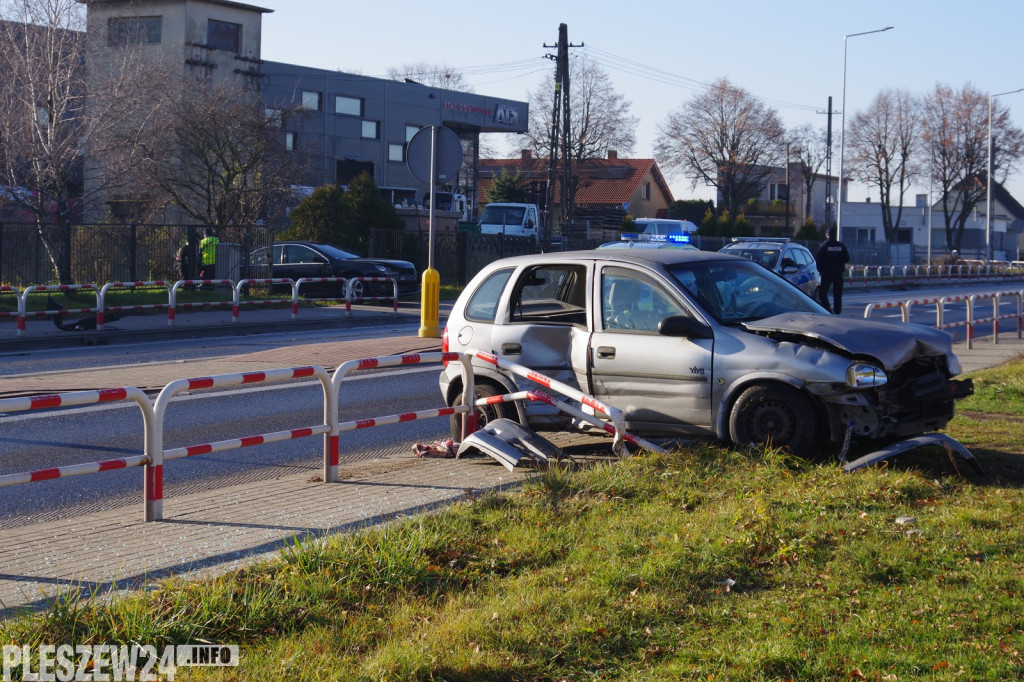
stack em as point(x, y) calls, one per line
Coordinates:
point(484, 415)
point(357, 289)
point(775, 415)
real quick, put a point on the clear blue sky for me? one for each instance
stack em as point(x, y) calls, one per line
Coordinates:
point(658, 53)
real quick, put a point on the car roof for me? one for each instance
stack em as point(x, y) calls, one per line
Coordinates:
point(758, 245)
point(660, 257)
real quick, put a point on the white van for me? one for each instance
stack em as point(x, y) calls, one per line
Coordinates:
point(664, 226)
point(517, 220)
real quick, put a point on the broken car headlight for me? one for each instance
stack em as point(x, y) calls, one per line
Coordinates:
point(863, 375)
point(953, 364)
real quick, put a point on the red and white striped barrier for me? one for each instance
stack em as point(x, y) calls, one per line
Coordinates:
point(349, 296)
point(997, 299)
point(236, 296)
point(150, 442)
point(613, 413)
point(468, 423)
point(23, 313)
point(329, 428)
point(971, 320)
point(173, 304)
point(541, 396)
point(103, 309)
point(309, 280)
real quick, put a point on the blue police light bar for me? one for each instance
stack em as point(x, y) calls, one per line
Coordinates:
point(678, 238)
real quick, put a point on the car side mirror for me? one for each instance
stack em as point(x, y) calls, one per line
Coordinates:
point(684, 326)
point(529, 224)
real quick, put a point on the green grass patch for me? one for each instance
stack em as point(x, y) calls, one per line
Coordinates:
point(706, 563)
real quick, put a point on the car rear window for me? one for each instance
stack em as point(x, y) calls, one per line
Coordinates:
point(483, 304)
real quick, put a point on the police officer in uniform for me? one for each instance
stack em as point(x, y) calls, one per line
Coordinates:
point(832, 259)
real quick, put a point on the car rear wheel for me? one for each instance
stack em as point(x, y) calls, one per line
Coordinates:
point(775, 415)
point(484, 414)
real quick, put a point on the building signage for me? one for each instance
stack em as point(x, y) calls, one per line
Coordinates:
point(507, 114)
point(504, 114)
point(466, 108)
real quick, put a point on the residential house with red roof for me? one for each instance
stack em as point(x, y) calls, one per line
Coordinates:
point(608, 189)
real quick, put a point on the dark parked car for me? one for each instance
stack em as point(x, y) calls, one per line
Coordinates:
point(295, 260)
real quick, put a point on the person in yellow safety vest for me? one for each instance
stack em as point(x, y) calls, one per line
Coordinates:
point(208, 254)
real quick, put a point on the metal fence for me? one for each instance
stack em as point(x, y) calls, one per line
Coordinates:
point(102, 253)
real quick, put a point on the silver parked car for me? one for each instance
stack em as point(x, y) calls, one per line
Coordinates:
point(698, 343)
point(794, 262)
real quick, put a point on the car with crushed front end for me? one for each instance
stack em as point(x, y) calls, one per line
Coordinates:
point(696, 343)
point(794, 262)
point(298, 259)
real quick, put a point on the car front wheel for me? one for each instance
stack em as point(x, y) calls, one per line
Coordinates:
point(774, 415)
point(484, 414)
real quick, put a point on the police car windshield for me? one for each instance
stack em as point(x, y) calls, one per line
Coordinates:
point(765, 257)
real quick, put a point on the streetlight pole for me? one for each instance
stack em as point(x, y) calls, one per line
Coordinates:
point(988, 178)
point(842, 134)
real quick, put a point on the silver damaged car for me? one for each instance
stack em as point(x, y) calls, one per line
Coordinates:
point(694, 343)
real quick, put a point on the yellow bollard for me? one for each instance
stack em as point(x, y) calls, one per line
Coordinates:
point(430, 304)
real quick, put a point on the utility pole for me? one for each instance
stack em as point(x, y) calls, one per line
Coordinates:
point(828, 166)
point(561, 135)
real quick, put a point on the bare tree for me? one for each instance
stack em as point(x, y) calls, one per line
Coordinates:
point(600, 120)
point(883, 143)
point(726, 139)
point(48, 118)
point(955, 140)
point(219, 158)
point(810, 149)
point(434, 75)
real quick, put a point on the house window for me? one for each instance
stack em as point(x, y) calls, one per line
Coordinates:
point(134, 30)
point(410, 131)
point(371, 130)
point(272, 117)
point(778, 192)
point(289, 141)
point(312, 100)
point(865, 234)
point(645, 191)
point(348, 106)
point(396, 152)
point(224, 35)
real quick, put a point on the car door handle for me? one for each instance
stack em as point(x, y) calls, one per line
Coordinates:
point(511, 349)
point(606, 352)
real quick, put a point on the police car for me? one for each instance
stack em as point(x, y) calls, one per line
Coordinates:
point(631, 240)
point(793, 261)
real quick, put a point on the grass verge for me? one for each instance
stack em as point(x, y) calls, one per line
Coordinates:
point(707, 563)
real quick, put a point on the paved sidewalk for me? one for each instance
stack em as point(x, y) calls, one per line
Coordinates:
point(218, 530)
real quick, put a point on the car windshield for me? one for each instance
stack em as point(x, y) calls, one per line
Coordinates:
point(502, 215)
point(335, 252)
point(739, 291)
point(765, 257)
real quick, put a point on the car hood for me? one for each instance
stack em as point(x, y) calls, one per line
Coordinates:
point(396, 265)
point(893, 344)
